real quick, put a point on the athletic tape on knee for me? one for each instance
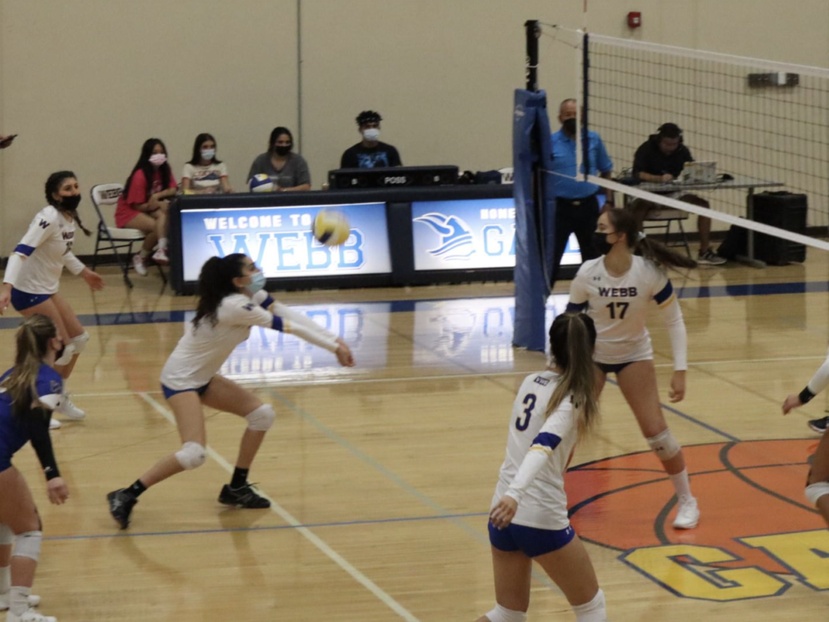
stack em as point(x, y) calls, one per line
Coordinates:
point(502, 614)
point(261, 419)
point(28, 545)
point(6, 535)
point(816, 491)
point(664, 445)
point(191, 456)
point(79, 342)
point(594, 611)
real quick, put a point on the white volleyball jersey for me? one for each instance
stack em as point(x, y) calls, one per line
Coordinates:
point(202, 350)
point(619, 306)
point(47, 247)
point(544, 503)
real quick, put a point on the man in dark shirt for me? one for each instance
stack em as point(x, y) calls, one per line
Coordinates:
point(370, 152)
point(661, 159)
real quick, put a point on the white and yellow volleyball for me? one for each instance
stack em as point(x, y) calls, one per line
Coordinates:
point(331, 227)
point(261, 183)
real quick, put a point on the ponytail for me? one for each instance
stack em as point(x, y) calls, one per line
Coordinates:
point(32, 340)
point(215, 284)
point(572, 339)
point(624, 221)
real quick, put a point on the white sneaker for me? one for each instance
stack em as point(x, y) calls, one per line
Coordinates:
point(34, 601)
point(687, 517)
point(139, 264)
point(54, 424)
point(160, 256)
point(70, 410)
point(30, 616)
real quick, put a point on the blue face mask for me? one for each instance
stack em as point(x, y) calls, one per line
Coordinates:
point(257, 282)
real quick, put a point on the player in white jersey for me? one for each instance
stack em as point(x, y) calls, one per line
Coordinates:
point(616, 290)
point(32, 275)
point(231, 302)
point(528, 515)
point(817, 484)
point(28, 393)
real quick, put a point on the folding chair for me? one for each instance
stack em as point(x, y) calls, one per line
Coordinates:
point(661, 218)
point(114, 238)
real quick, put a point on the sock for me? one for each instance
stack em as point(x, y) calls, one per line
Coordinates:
point(682, 484)
point(5, 579)
point(144, 253)
point(136, 489)
point(240, 478)
point(162, 243)
point(19, 600)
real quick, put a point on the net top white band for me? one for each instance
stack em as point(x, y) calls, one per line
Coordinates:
point(702, 211)
point(754, 63)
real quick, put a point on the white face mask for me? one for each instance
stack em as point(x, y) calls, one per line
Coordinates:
point(372, 134)
point(157, 159)
point(208, 154)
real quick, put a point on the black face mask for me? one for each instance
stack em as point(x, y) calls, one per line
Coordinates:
point(569, 126)
point(282, 150)
point(71, 202)
point(600, 243)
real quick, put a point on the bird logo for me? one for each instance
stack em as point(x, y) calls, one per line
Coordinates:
point(456, 240)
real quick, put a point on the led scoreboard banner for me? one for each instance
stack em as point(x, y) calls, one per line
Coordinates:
point(399, 236)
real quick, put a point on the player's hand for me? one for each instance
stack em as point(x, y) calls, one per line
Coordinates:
point(667, 178)
point(93, 279)
point(344, 356)
point(58, 492)
point(5, 299)
point(792, 402)
point(677, 391)
point(503, 512)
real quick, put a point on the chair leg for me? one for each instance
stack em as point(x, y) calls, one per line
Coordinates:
point(97, 247)
point(124, 265)
point(684, 238)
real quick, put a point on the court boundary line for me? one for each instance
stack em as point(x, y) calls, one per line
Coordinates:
point(309, 535)
point(195, 532)
point(348, 381)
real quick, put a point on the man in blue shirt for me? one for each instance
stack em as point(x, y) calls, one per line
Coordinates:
point(577, 204)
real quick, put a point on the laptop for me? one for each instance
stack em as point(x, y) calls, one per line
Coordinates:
point(699, 173)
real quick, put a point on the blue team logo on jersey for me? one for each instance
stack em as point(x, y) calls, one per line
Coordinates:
point(456, 241)
point(373, 160)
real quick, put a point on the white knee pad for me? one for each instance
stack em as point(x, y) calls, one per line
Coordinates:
point(191, 456)
point(261, 419)
point(6, 534)
point(79, 342)
point(594, 611)
point(664, 445)
point(68, 352)
point(816, 491)
point(502, 614)
point(28, 545)
point(74, 346)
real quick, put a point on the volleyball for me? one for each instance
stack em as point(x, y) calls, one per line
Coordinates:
point(261, 183)
point(331, 228)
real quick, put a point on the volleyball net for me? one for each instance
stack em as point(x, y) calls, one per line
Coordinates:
point(753, 126)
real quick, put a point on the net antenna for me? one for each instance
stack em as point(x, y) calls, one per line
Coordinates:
point(761, 125)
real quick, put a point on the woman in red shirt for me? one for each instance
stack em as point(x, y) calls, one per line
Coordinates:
point(144, 202)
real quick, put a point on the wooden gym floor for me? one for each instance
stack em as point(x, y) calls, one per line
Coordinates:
point(381, 475)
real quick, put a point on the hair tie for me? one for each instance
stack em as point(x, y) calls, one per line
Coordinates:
point(641, 236)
